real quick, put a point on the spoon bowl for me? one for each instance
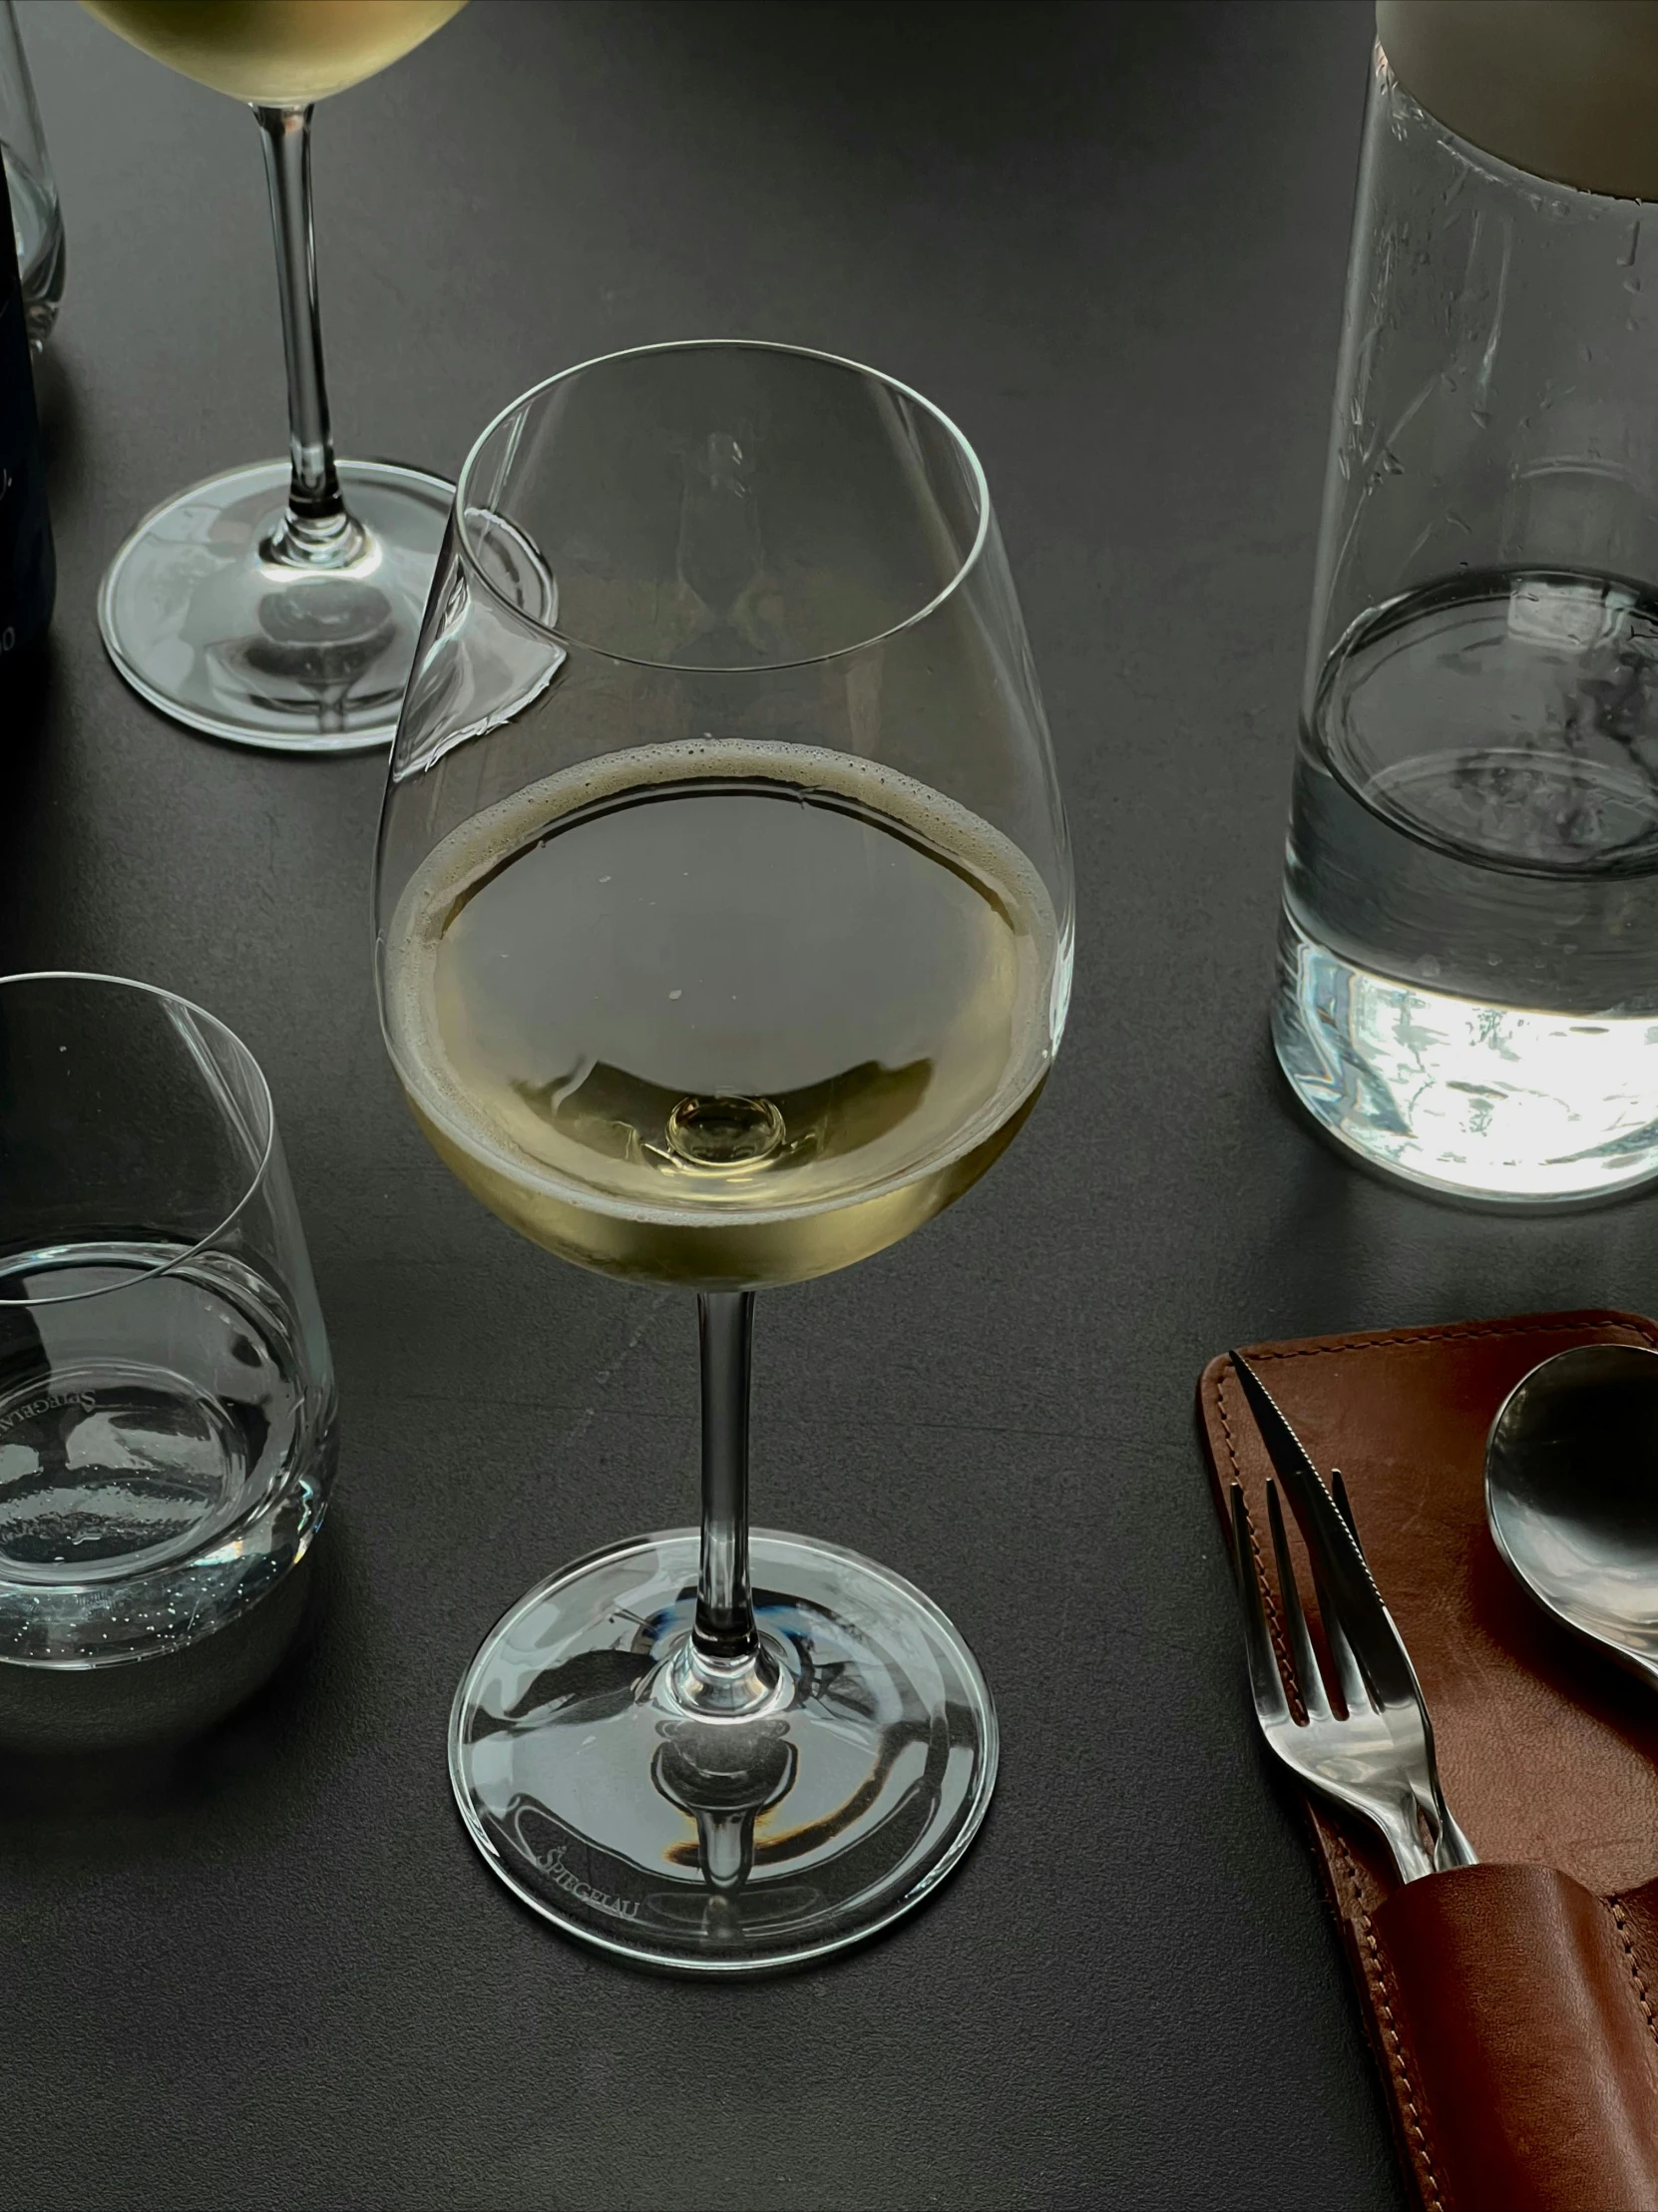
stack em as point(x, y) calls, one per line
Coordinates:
point(1571, 1495)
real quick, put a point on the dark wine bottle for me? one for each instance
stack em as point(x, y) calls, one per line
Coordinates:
point(28, 568)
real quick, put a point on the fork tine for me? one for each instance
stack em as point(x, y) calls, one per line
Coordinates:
point(1265, 1682)
point(1308, 1679)
point(1349, 1678)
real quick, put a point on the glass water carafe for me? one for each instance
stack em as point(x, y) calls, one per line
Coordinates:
point(1468, 986)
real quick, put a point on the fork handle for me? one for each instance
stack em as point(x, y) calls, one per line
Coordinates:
point(1453, 1849)
point(1419, 1812)
point(1399, 1823)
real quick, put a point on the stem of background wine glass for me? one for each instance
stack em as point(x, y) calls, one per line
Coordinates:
point(726, 1669)
point(316, 532)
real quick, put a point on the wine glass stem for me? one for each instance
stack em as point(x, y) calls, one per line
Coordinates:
point(724, 1630)
point(317, 531)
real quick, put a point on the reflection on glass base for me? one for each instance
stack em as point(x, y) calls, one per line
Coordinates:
point(722, 1846)
point(217, 636)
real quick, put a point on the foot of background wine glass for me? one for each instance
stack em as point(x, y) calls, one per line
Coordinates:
point(204, 624)
point(714, 1844)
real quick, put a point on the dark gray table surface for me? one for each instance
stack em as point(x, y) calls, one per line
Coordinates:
point(1109, 241)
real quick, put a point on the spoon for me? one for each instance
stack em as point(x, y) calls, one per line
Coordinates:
point(1571, 1494)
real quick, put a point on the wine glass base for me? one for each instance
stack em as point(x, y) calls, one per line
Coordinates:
point(712, 1845)
point(292, 659)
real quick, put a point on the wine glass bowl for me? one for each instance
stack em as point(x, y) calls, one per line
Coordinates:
point(723, 914)
point(806, 610)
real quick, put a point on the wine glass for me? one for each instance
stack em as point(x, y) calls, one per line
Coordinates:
point(291, 626)
point(723, 938)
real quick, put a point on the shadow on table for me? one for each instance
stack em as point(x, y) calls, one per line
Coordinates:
point(1374, 1251)
point(262, 1765)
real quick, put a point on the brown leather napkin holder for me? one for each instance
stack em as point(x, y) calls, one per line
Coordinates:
point(1512, 2005)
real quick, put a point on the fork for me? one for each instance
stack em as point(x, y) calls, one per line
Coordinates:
point(1376, 1754)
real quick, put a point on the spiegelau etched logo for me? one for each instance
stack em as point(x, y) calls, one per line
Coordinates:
point(551, 1864)
point(46, 1402)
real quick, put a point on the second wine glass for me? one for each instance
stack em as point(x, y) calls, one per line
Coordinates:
point(279, 605)
point(724, 938)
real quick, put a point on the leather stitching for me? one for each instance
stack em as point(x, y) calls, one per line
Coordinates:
point(1376, 1974)
point(1634, 1965)
point(1520, 1326)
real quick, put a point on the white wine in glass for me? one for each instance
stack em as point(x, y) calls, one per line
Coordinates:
point(279, 605)
point(800, 1003)
point(724, 938)
point(276, 53)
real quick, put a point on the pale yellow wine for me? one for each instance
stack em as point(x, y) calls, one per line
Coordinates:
point(721, 1015)
point(276, 53)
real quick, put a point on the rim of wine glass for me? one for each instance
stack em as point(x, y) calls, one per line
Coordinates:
point(263, 1097)
point(463, 484)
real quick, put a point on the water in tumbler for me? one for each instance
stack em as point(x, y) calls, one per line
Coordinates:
point(162, 1459)
point(1469, 986)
